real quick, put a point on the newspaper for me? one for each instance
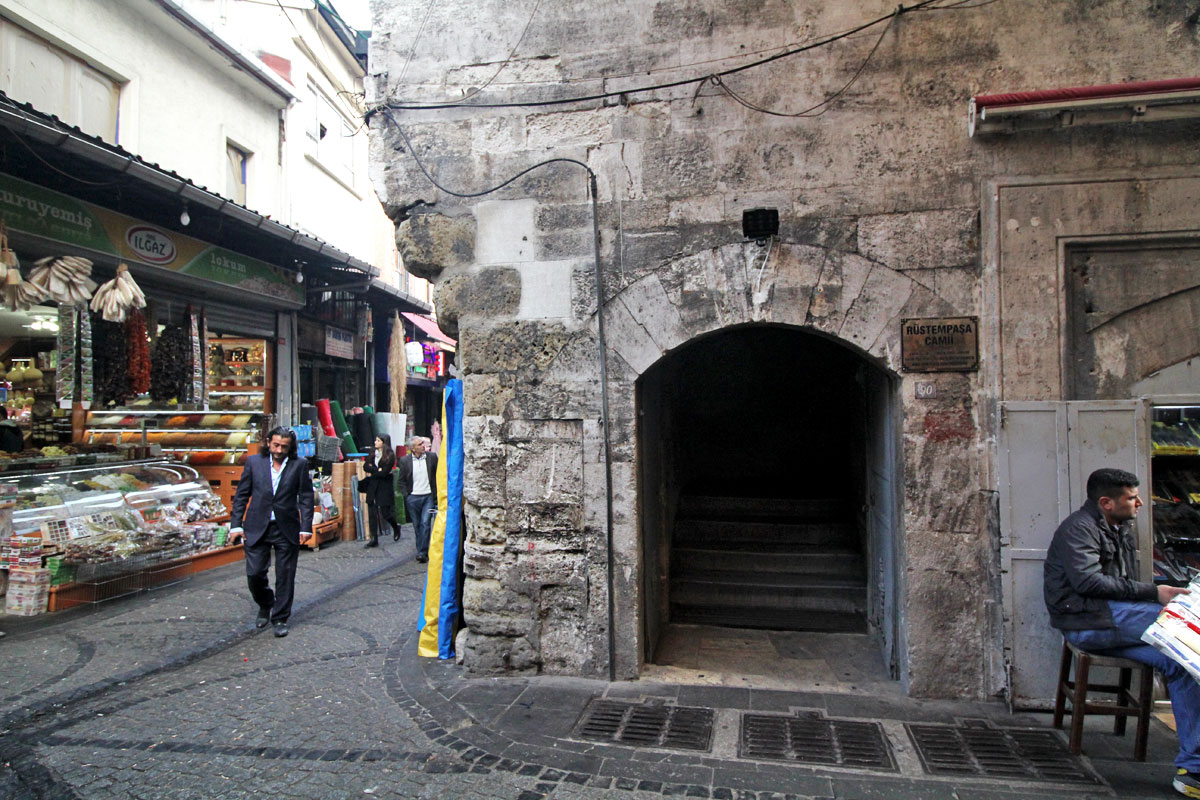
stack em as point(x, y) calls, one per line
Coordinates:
point(1176, 632)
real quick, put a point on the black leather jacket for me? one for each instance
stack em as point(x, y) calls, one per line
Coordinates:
point(1088, 563)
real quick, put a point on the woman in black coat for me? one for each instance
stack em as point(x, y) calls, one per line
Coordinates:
point(380, 488)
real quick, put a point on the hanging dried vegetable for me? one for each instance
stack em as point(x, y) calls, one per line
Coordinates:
point(397, 366)
point(171, 363)
point(8, 259)
point(117, 297)
point(112, 375)
point(137, 348)
point(63, 279)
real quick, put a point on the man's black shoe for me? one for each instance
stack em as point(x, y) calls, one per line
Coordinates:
point(262, 619)
point(372, 543)
point(396, 535)
point(422, 558)
point(281, 630)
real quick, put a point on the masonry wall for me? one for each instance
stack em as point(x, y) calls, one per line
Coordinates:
point(880, 199)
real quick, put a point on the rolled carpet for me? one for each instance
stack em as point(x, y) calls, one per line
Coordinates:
point(325, 417)
point(339, 425)
point(360, 429)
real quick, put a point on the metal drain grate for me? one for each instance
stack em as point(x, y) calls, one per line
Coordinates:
point(646, 725)
point(809, 738)
point(976, 749)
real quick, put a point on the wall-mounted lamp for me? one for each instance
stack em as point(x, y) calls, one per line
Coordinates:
point(185, 218)
point(760, 224)
point(299, 272)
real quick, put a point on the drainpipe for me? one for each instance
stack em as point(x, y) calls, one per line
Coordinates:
point(1139, 101)
point(608, 515)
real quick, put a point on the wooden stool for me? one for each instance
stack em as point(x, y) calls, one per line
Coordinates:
point(1126, 704)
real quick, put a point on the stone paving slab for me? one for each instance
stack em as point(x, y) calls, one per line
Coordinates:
point(148, 708)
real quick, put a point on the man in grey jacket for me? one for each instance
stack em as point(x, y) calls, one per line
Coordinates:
point(1094, 599)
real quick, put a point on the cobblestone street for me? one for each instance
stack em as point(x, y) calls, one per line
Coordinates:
point(174, 695)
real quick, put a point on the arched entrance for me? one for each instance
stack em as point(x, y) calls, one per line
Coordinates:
point(768, 486)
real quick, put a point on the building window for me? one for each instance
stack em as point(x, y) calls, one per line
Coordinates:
point(235, 180)
point(32, 70)
point(331, 136)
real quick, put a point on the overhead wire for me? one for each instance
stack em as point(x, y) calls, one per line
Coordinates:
point(511, 54)
point(825, 104)
point(822, 42)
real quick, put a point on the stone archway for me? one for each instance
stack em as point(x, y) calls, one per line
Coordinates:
point(767, 480)
point(536, 597)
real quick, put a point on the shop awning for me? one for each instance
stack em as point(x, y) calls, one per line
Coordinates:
point(42, 149)
point(385, 297)
point(429, 327)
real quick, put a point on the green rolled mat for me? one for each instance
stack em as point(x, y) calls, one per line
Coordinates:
point(339, 425)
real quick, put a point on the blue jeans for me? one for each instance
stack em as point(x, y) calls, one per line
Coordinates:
point(1125, 641)
point(421, 509)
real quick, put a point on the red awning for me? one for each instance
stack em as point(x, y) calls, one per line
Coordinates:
point(1085, 92)
point(428, 326)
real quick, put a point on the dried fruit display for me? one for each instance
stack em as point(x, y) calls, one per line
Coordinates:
point(137, 349)
point(112, 375)
point(171, 364)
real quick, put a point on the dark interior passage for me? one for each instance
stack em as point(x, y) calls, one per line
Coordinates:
point(755, 448)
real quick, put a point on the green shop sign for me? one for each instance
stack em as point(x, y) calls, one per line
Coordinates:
point(32, 209)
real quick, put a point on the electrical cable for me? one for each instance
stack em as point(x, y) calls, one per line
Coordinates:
point(412, 49)
point(763, 265)
point(825, 104)
point(509, 58)
point(667, 85)
point(601, 344)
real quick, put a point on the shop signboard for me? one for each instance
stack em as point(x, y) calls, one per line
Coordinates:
point(940, 344)
point(41, 212)
point(338, 343)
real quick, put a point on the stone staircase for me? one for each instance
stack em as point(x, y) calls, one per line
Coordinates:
point(775, 563)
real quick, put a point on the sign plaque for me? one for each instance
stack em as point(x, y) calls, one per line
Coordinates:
point(940, 344)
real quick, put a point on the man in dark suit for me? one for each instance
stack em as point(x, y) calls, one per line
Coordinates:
point(418, 482)
point(278, 490)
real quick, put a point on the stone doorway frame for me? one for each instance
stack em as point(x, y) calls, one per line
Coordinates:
point(879, 470)
point(859, 303)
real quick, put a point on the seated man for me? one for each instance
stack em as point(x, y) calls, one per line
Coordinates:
point(1094, 599)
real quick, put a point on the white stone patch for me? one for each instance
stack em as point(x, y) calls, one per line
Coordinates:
point(545, 289)
point(628, 338)
point(566, 129)
point(648, 304)
point(506, 232)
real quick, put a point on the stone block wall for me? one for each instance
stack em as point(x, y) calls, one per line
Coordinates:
point(880, 199)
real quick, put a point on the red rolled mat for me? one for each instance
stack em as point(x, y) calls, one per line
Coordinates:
point(325, 417)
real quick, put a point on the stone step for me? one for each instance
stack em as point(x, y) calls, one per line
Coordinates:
point(770, 619)
point(752, 597)
point(743, 508)
point(745, 534)
point(813, 561)
point(755, 580)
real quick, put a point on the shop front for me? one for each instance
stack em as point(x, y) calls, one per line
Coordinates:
point(135, 410)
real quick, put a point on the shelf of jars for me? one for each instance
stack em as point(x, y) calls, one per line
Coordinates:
point(239, 375)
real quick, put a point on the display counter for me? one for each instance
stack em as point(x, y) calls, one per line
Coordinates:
point(1175, 470)
point(105, 531)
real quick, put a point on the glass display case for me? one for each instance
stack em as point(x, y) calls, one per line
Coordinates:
point(109, 530)
point(1175, 488)
point(239, 375)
